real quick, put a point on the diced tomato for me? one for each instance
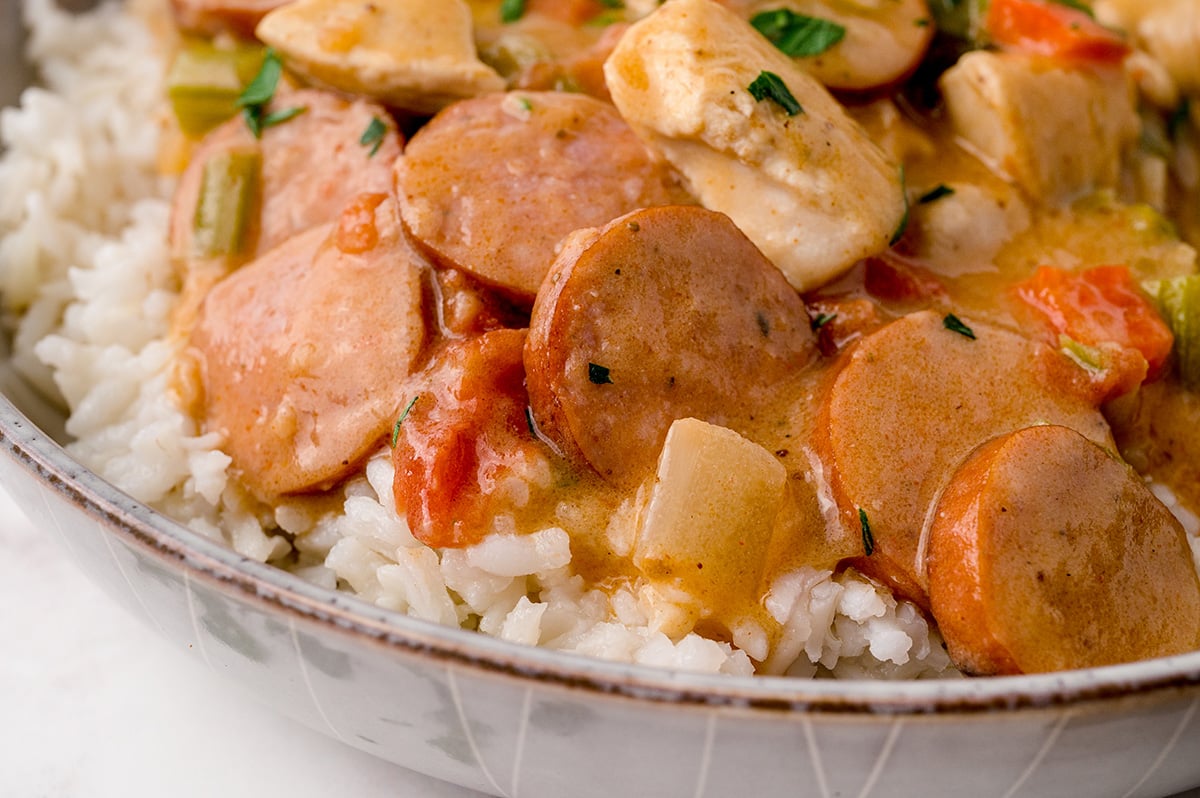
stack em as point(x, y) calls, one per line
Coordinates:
point(838, 320)
point(1103, 309)
point(895, 277)
point(1042, 27)
point(463, 435)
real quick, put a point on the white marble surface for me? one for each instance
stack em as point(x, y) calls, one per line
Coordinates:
point(92, 704)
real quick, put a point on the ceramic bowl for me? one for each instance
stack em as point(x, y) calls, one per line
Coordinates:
point(515, 721)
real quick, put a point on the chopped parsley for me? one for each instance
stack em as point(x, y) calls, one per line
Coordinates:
point(258, 93)
point(936, 193)
point(399, 421)
point(373, 135)
point(868, 539)
point(1078, 5)
point(769, 86)
point(511, 10)
point(798, 35)
point(821, 319)
point(599, 375)
point(954, 324)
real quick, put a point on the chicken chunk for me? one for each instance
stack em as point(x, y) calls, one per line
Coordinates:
point(1058, 131)
point(1169, 30)
point(418, 55)
point(880, 43)
point(808, 187)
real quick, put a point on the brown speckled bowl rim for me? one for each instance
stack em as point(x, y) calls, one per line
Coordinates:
point(277, 591)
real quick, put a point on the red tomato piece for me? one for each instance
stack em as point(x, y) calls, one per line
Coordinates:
point(898, 278)
point(1102, 308)
point(1052, 29)
point(465, 432)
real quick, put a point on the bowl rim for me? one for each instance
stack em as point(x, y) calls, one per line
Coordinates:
point(279, 591)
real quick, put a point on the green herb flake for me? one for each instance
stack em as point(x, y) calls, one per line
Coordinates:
point(511, 10)
point(821, 319)
point(1078, 5)
point(373, 135)
point(769, 86)
point(954, 324)
point(868, 539)
point(599, 375)
point(399, 421)
point(261, 89)
point(282, 115)
point(798, 35)
point(936, 193)
point(258, 93)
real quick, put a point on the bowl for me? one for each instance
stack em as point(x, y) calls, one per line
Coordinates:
point(510, 720)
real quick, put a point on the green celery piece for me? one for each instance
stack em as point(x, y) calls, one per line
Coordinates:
point(1179, 300)
point(228, 197)
point(962, 19)
point(204, 83)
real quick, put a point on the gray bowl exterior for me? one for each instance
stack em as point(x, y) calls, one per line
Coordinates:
point(514, 721)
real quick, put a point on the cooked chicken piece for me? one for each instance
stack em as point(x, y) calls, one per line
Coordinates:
point(1169, 30)
point(962, 232)
point(880, 43)
point(414, 55)
point(1057, 131)
point(807, 186)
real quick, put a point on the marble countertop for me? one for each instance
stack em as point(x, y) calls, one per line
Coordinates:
point(93, 704)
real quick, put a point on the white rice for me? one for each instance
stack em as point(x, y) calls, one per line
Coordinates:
point(88, 288)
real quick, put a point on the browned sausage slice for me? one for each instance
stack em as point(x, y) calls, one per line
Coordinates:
point(492, 184)
point(665, 313)
point(312, 165)
point(1048, 553)
point(211, 17)
point(299, 351)
point(908, 403)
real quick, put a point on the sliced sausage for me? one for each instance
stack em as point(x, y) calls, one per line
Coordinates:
point(662, 314)
point(491, 185)
point(310, 167)
point(1047, 553)
point(907, 403)
point(299, 351)
point(211, 17)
